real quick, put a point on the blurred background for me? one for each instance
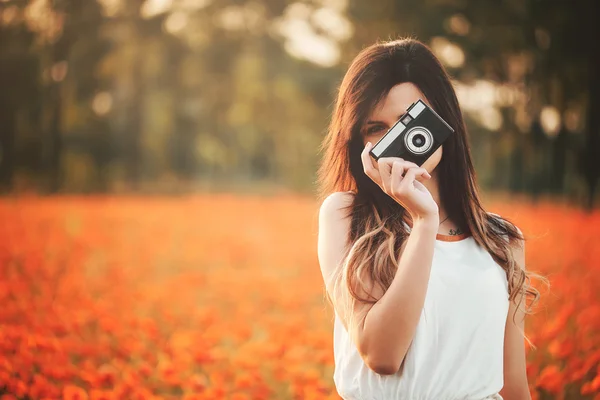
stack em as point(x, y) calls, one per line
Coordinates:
point(180, 95)
point(158, 163)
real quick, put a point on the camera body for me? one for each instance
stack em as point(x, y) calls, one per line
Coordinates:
point(415, 137)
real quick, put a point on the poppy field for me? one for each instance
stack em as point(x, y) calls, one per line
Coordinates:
point(221, 297)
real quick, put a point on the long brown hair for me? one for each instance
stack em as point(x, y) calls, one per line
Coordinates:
point(377, 233)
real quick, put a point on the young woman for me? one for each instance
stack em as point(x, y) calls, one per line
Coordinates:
point(428, 288)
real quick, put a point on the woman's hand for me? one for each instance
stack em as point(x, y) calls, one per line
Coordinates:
point(388, 173)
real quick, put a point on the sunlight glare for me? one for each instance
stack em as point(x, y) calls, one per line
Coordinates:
point(102, 103)
point(550, 120)
point(334, 23)
point(450, 53)
point(152, 8)
point(176, 22)
point(490, 118)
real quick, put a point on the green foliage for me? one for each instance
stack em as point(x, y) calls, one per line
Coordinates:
point(130, 97)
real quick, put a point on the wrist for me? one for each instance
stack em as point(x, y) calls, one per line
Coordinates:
point(428, 223)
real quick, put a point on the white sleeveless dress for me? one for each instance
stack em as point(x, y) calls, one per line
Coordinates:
point(457, 349)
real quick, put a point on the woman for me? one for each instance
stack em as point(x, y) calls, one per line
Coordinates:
point(428, 288)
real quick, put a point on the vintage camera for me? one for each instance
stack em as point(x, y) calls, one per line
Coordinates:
point(416, 135)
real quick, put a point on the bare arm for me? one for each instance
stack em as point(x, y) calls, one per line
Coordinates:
point(515, 366)
point(390, 323)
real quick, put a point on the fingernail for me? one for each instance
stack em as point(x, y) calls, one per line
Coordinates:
point(368, 144)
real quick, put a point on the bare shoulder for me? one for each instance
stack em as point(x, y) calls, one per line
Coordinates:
point(334, 226)
point(334, 246)
point(335, 203)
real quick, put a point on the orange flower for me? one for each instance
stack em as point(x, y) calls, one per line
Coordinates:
point(106, 376)
point(130, 298)
point(240, 396)
point(72, 392)
point(550, 379)
point(97, 394)
point(198, 383)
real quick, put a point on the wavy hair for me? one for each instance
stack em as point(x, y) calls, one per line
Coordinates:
point(377, 230)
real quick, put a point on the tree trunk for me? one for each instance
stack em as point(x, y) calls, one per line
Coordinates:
point(592, 147)
point(7, 147)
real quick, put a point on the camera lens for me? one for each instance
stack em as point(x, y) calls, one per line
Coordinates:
point(418, 140)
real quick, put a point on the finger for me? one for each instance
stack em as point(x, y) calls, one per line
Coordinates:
point(421, 174)
point(368, 166)
point(419, 186)
point(397, 172)
point(397, 160)
point(410, 176)
point(385, 171)
point(407, 181)
point(406, 163)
